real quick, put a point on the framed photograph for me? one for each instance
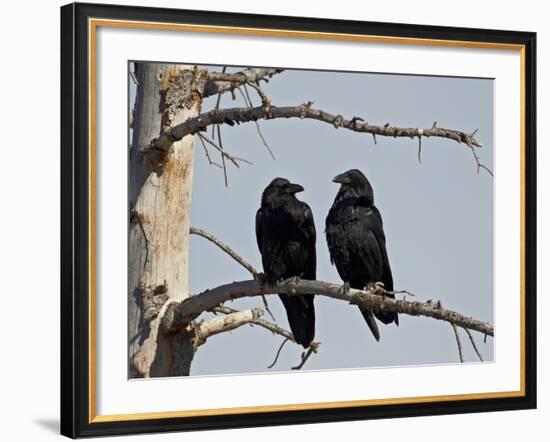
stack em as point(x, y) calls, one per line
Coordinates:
point(274, 220)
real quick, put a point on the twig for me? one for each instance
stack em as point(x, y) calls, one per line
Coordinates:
point(224, 82)
point(278, 353)
point(215, 326)
point(267, 309)
point(235, 256)
point(473, 344)
point(219, 147)
point(458, 343)
point(474, 153)
point(398, 292)
point(225, 248)
point(217, 107)
point(248, 102)
point(210, 162)
point(273, 328)
point(266, 102)
point(420, 150)
point(223, 156)
point(218, 100)
point(312, 349)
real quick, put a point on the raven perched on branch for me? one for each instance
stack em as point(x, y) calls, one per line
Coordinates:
point(356, 241)
point(285, 233)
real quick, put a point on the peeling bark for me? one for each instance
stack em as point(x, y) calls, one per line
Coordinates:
point(222, 324)
point(160, 200)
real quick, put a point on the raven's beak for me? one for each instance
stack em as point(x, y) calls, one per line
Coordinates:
point(341, 179)
point(294, 188)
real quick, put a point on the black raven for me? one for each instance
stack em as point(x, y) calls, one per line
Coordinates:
point(356, 240)
point(285, 232)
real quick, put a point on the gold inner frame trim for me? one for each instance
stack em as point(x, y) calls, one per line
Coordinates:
point(93, 24)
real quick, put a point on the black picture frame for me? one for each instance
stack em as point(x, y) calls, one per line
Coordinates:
point(75, 194)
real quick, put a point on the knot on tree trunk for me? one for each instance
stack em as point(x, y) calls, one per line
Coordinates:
point(175, 318)
point(151, 300)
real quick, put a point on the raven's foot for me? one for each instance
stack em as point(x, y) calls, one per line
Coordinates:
point(293, 280)
point(345, 288)
point(260, 279)
point(377, 288)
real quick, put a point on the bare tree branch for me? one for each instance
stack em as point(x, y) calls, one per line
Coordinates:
point(305, 356)
point(235, 160)
point(266, 102)
point(210, 161)
point(223, 82)
point(219, 133)
point(458, 343)
point(275, 329)
point(248, 102)
point(474, 344)
point(245, 114)
point(278, 353)
point(225, 248)
point(236, 257)
point(222, 324)
point(477, 160)
point(180, 314)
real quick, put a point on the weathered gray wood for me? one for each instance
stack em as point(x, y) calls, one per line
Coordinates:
point(223, 324)
point(160, 200)
point(219, 82)
point(180, 314)
point(268, 112)
point(245, 114)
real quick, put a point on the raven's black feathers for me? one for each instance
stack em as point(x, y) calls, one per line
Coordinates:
point(285, 233)
point(356, 240)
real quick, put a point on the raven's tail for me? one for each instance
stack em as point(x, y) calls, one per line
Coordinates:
point(300, 312)
point(371, 322)
point(386, 318)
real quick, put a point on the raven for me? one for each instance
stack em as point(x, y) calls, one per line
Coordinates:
point(356, 241)
point(285, 233)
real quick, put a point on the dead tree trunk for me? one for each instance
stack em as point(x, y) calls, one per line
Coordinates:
point(160, 202)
